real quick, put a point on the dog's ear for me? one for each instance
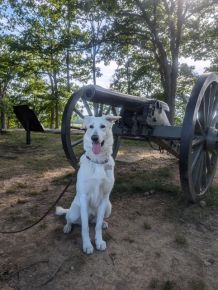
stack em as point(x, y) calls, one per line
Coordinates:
point(86, 121)
point(112, 119)
point(164, 106)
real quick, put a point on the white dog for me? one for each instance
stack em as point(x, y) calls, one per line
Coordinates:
point(95, 180)
point(158, 116)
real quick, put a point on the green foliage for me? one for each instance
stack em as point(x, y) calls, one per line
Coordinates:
point(185, 82)
point(49, 48)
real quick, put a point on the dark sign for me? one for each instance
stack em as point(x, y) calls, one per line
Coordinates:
point(28, 119)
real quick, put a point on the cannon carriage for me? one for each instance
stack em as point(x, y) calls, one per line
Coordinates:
point(195, 143)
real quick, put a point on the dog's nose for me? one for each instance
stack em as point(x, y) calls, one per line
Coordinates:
point(94, 138)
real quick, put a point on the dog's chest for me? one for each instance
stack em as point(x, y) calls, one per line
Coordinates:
point(100, 178)
point(99, 181)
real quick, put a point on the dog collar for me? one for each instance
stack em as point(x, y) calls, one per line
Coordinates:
point(103, 162)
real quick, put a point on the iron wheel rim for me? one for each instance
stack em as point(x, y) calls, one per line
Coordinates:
point(197, 161)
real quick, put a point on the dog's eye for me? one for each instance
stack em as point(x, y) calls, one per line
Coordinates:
point(91, 126)
point(102, 126)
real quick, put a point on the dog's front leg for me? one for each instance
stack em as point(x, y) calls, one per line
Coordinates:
point(87, 245)
point(100, 243)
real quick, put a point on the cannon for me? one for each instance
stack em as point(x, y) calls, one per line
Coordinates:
point(195, 143)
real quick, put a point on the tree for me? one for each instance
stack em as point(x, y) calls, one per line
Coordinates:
point(10, 68)
point(185, 82)
point(95, 24)
point(157, 26)
point(136, 72)
point(50, 35)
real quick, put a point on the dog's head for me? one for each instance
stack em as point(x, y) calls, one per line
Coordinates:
point(99, 137)
point(158, 114)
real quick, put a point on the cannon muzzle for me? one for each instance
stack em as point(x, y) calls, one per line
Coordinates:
point(98, 94)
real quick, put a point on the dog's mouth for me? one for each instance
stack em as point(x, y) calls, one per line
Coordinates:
point(96, 147)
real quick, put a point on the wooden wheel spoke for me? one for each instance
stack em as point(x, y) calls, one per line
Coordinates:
point(77, 142)
point(86, 105)
point(208, 162)
point(196, 155)
point(198, 172)
point(210, 105)
point(114, 111)
point(96, 106)
point(213, 158)
point(77, 128)
point(100, 111)
point(103, 110)
point(204, 113)
point(204, 172)
point(108, 110)
point(78, 113)
point(198, 127)
point(214, 105)
point(206, 101)
point(209, 101)
point(197, 142)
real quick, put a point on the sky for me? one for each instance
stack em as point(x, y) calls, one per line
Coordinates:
point(108, 71)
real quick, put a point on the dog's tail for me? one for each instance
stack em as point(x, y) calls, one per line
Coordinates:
point(60, 210)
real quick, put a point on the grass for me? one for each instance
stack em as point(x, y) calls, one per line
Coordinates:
point(212, 197)
point(45, 153)
point(132, 142)
point(60, 180)
point(159, 180)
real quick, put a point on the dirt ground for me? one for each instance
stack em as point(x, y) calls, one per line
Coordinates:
point(155, 239)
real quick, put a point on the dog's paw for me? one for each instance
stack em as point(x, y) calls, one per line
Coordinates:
point(67, 228)
point(88, 248)
point(101, 245)
point(104, 225)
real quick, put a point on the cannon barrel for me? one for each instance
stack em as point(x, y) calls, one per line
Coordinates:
point(98, 94)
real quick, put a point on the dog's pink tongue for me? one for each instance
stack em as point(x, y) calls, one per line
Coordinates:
point(96, 148)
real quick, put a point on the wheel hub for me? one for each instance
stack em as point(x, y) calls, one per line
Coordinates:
point(212, 139)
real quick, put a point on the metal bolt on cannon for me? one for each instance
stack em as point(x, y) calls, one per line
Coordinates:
point(195, 144)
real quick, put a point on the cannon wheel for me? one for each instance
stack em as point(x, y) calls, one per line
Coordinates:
point(72, 135)
point(198, 150)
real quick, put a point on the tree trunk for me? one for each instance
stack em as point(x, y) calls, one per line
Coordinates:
point(94, 68)
point(169, 83)
point(3, 124)
point(56, 114)
point(56, 100)
point(52, 116)
point(68, 69)
point(68, 44)
point(128, 78)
